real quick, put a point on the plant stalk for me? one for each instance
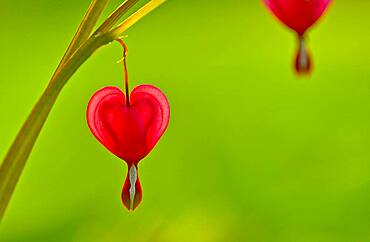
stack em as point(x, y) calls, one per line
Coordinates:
point(18, 153)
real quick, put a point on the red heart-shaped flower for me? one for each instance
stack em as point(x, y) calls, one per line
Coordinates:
point(298, 15)
point(129, 131)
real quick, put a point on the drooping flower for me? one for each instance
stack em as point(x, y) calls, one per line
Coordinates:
point(299, 15)
point(129, 126)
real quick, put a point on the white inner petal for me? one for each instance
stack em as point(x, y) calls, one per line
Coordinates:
point(303, 60)
point(133, 179)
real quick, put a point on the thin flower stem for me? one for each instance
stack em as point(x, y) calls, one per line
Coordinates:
point(125, 72)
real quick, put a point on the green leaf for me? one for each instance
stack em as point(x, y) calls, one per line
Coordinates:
point(135, 17)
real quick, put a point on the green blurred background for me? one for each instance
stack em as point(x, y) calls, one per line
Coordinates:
point(252, 152)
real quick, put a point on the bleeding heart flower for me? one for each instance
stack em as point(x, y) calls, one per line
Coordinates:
point(299, 15)
point(129, 126)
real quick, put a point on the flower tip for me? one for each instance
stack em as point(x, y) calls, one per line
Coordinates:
point(303, 69)
point(303, 62)
point(131, 192)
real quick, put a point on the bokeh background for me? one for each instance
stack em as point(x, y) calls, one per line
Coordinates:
point(252, 152)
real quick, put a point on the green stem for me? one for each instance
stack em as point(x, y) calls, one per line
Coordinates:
point(116, 16)
point(18, 153)
point(84, 29)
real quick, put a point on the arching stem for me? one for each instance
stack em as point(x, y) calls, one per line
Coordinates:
point(125, 50)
